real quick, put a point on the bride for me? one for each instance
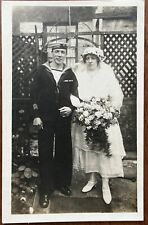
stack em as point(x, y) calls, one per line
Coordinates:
point(97, 79)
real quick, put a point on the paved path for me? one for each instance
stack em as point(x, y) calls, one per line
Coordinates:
point(124, 191)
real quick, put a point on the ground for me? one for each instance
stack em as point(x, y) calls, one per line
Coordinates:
point(124, 195)
point(123, 190)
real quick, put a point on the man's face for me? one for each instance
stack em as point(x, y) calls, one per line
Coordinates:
point(59, 55)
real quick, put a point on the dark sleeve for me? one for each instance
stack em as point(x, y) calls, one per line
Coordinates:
point(35, 89)
point(74, 88)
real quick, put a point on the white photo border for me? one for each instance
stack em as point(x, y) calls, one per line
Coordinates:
point(7, 217)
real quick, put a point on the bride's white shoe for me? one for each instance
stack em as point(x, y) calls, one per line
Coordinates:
point(89, 186)
point(106, 195)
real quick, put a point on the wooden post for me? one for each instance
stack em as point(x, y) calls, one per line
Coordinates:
point(44, 34)
point(76, 48)
point(98, 37)
point(37, 46)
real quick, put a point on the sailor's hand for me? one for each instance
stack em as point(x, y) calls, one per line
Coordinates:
point(37, 122)
point(65, 111)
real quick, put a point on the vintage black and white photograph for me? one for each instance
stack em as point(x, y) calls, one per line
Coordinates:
point(72, 110)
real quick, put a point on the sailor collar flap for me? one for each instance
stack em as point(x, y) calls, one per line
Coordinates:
point(48, 68)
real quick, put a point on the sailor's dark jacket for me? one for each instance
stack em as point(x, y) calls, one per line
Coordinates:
point(47, 96)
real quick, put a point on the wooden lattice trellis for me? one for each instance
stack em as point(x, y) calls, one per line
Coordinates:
point(23, 66)
point(120, 51)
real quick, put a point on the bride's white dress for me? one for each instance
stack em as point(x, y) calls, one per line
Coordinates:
point(98, 83)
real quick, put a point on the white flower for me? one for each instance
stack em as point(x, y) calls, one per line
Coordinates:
point(108, 116)
point(93, 99)
point(112, 109)
point(79, 110)
point(87, 121)
point(86, 113)
point(81, 118)
point(88, 127)
point(97, 122)
point(98, 107)
point(93, 106)
point(95, 127)
point(91, 117)
point(88, 106)
point(102, 111)
point(98, 114)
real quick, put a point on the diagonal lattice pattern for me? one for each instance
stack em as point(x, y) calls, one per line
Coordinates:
point(120, 51)
point(23, 65)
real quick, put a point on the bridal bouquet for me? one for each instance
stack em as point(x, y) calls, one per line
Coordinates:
point(96, 115)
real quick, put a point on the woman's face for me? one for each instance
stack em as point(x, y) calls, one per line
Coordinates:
point(91, 61)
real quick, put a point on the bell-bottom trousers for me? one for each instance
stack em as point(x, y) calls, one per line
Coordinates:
point(55, 154)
